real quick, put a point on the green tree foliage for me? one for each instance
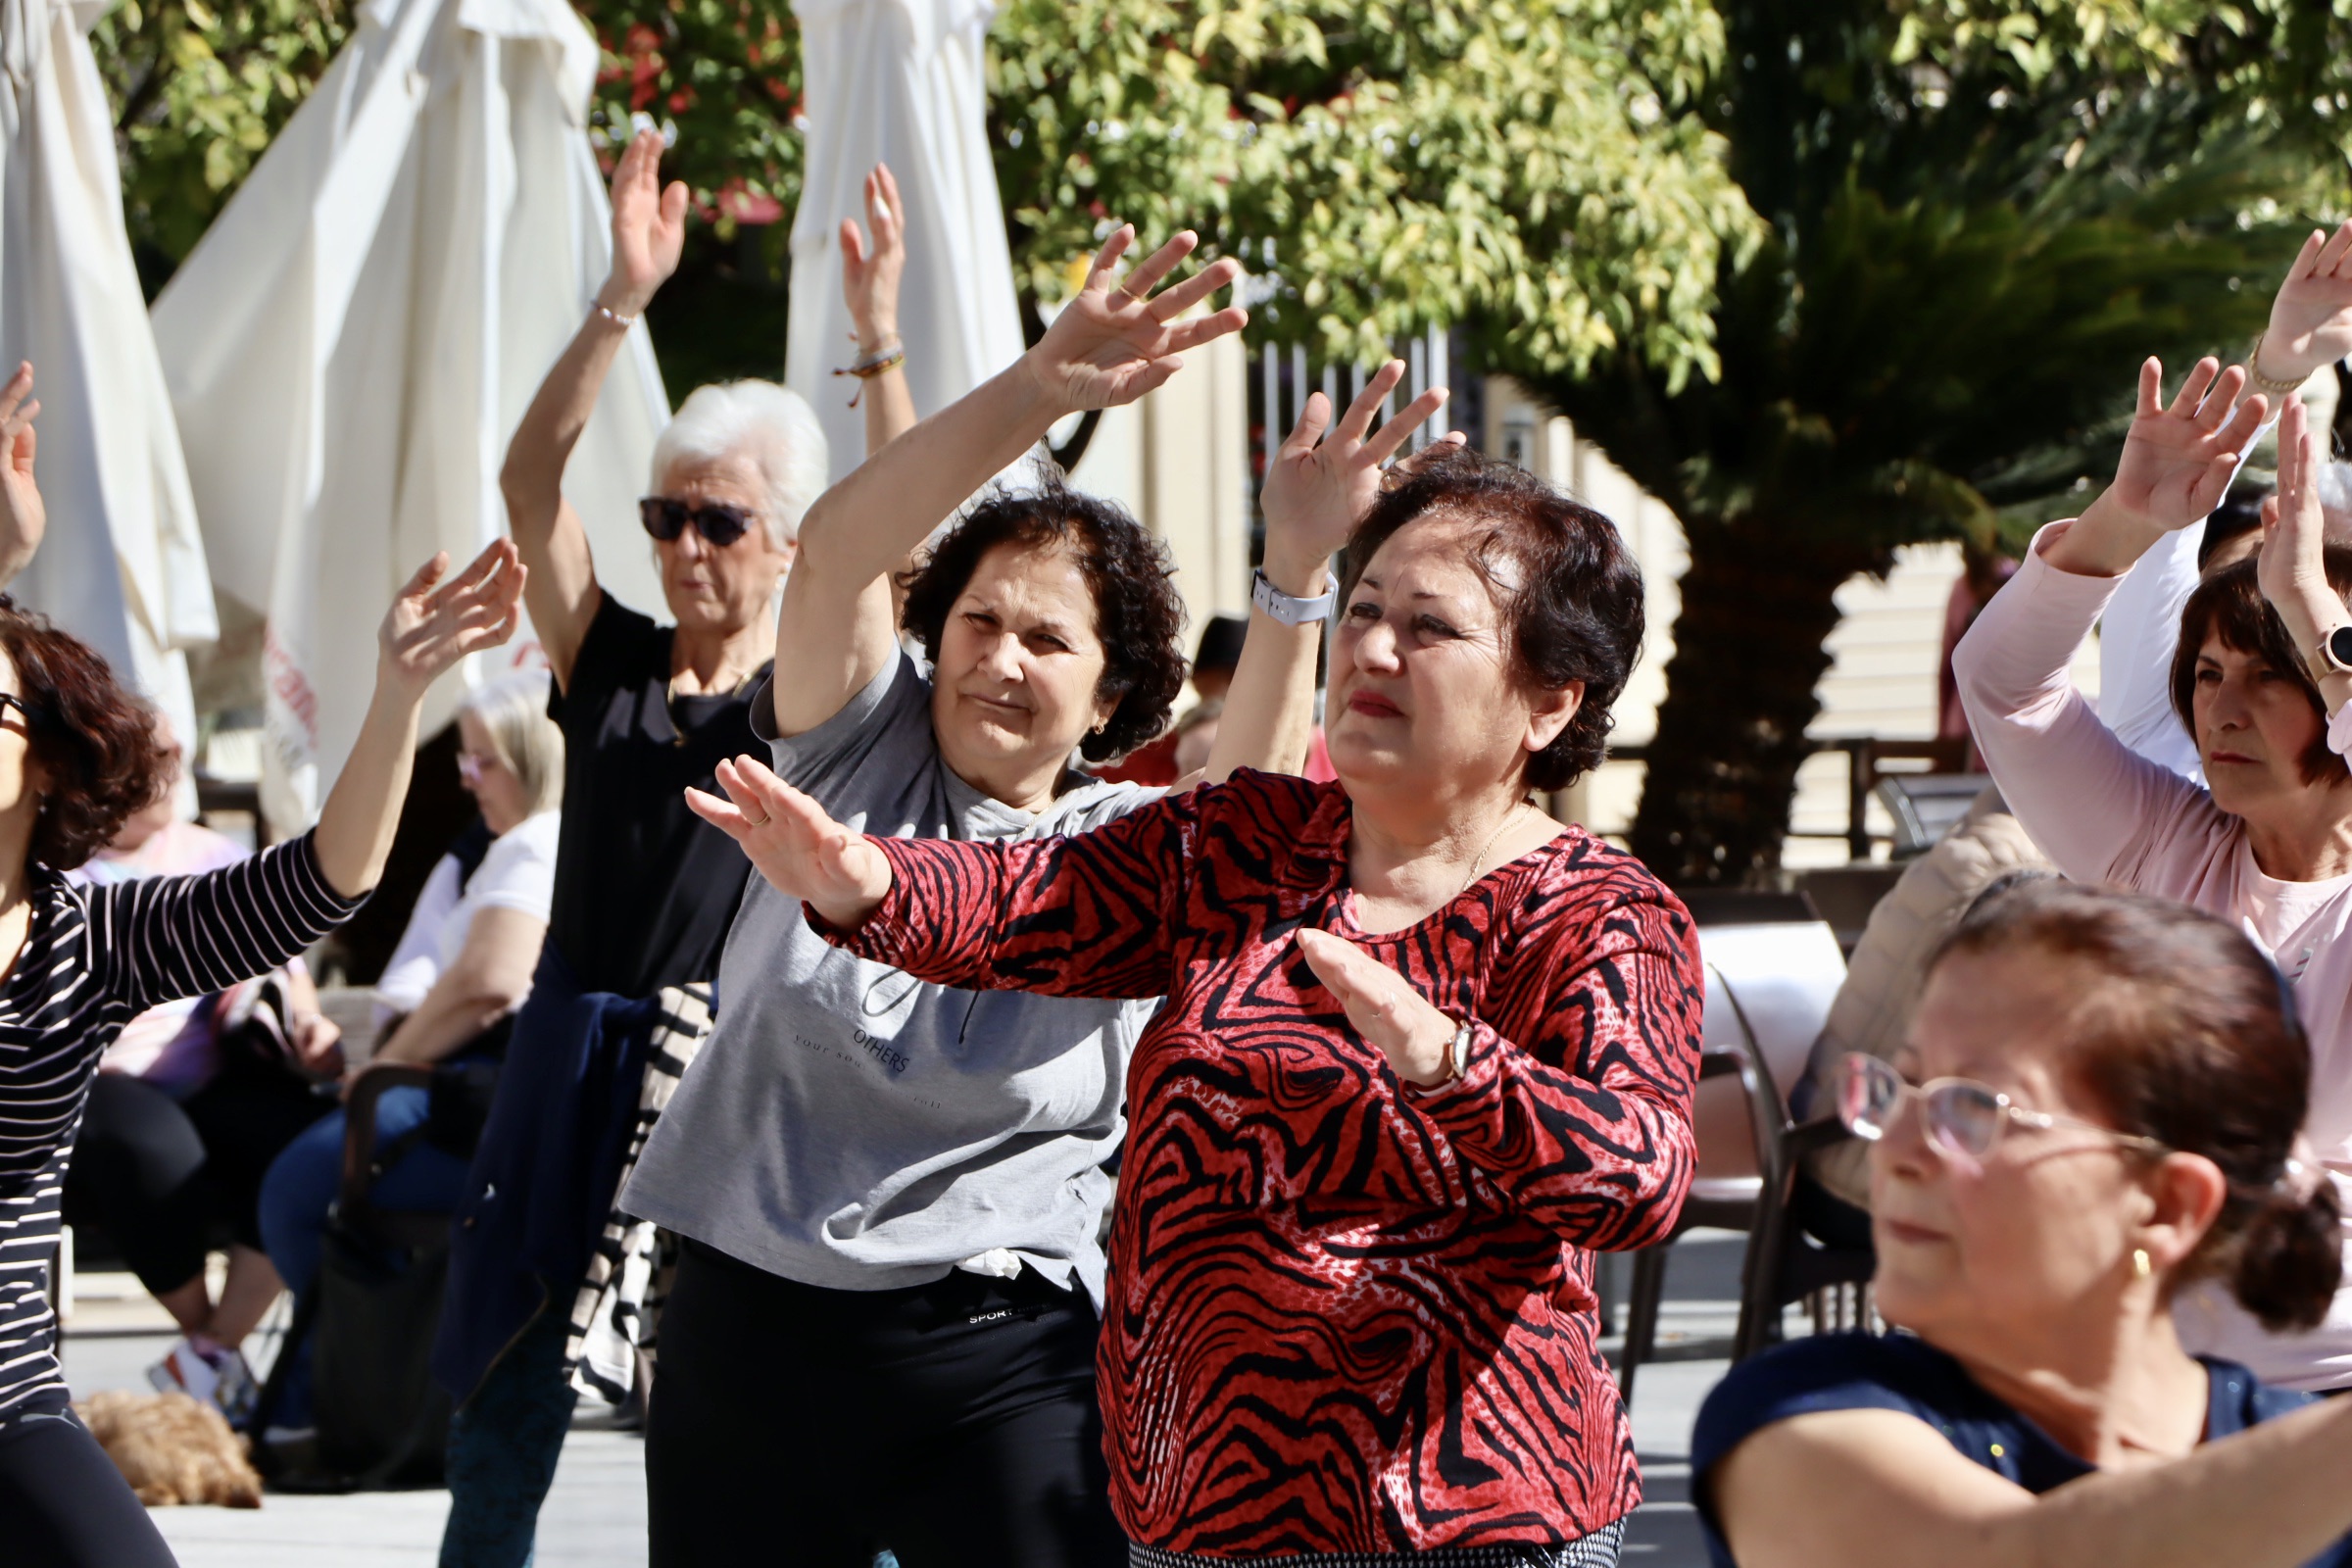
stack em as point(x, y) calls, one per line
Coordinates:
point(1979, 218)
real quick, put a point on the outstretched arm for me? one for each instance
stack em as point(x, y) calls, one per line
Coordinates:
point(428, 629)
point(1108, 346)
point(2176, 464)
point(648, 231)
point(2311, 314)
point(1320, 488)
point(21, 517)
point(2292, 569)
point(869, 278)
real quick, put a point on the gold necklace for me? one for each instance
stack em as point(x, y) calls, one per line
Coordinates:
point(1490, 843)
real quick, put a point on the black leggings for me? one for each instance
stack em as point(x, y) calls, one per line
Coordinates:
point(158, 1176)
point(953, 1423)
point(63, 1504)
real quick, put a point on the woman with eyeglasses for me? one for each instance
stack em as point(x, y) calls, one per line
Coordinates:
point(644, 890)
point(462, 967)
point(2260, 677)
point(79, 755)
point(2101, 1111)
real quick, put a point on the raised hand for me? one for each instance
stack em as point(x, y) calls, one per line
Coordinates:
point(1114, 342)
point(1415, 1037)
point(2177, 458)
point(429, 628)
point(2311, 317)
point(2291, 569)
point(1322, 485)
point(802, 851)
point(869, 276)
point(649, 227)
point(22, 518)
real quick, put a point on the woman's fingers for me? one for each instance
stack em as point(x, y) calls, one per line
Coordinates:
point(854, 253)
point(12, 398)
point(2335, 252)
point(883, 205)
point(1171, 303)
point(2151, 388)
point(1398, 430)
point(1312, 419)
point(426, 575)
point(722, 814)
point(1201, 329)
point(1108, 256)
point(1358, 417)
point(2221, 398)
point(1145, 275)
point(2192, 391)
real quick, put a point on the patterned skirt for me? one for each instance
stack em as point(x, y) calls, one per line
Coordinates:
point(1599, 1549)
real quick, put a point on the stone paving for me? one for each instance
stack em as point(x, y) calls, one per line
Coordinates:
point(595, 1516)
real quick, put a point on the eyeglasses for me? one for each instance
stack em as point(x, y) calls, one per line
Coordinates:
point(33, 716)
point(719, 522)
point(1965, 1119)
point(471, 766)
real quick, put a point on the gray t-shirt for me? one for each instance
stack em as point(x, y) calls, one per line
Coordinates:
point(850, 1127)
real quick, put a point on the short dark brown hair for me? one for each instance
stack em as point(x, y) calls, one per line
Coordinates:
point(95, 741)
point(1573, 603)
point(1138, 613)
point(2189, 1035)
point(2230, 605)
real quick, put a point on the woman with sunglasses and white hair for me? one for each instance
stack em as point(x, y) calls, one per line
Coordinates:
point(644, 891)
point(2100, 1107)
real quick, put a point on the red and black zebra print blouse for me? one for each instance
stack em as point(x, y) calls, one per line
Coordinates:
point(1345, 1315)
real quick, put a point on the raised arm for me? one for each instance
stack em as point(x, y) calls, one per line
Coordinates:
point(1586, 1125)
point(22, 515)
point(1320, 488)
point(1108, 346)
point(430, 626)
point(648, 231)
point(2292, 569)
point(1832, 1489)
point(162, 939)
point(869, 278)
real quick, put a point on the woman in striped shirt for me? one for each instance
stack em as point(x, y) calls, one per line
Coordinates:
point(77, 756)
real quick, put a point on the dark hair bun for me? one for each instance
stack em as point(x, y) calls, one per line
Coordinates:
point(2290, 1259)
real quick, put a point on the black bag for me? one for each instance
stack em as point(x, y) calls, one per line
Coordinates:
point(369, 1321)
point(382, 1420)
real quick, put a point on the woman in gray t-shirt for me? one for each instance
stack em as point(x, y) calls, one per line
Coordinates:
point(882, 1331)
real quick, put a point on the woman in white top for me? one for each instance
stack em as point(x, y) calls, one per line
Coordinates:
point(462, 967)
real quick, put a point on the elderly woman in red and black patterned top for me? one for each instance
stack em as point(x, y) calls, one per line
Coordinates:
point(1423, 1054)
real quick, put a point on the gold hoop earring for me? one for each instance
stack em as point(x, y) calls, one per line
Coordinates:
point(2142, 1268)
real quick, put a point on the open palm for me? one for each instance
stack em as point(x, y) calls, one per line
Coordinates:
point(2311, 317)
point(795, 843)
point(430, 627)
point(649, 227)
point(2179, 456)
point(1321, 485)
point(23, 517)
point(1113, 344)
point(2292, 564)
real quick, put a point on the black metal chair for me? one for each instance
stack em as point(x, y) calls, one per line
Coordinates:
point(1771, 970)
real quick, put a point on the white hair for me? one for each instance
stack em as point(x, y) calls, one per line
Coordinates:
point(514, 709)
point(772, 425)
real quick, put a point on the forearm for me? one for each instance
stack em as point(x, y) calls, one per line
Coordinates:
point(2105, 541)
point(889, 409)
point(456, 1010)
point(1269, 717)
point(354, 828)
point(865, 525)
point(532, 479)
point(2310, 613)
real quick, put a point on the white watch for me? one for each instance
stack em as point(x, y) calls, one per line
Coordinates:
point(1289, 610)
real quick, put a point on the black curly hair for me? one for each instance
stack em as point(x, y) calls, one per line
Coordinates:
point(1572, 596)
point(96, 741)
point(1138, 613)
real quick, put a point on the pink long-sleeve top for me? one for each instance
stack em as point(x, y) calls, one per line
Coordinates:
point(2103, 814)
point(1344, 1316)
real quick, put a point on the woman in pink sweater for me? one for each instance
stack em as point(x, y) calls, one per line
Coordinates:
point(2268, 840)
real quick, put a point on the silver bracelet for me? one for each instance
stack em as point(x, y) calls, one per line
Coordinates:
point(625, 322)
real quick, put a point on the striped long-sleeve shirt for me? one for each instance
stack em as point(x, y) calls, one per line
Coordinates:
point(94, 958)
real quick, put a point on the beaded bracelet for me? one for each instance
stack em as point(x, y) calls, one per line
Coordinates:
point(881, 362)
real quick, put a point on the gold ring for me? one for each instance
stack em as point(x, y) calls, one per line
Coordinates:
point(762, 823)
point(1130, 295)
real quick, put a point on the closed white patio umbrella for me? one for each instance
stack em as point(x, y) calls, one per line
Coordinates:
point(354, 340)
point(123, 567)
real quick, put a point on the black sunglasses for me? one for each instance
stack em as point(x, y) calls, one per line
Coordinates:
point(719, 522)
point(33, 717)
